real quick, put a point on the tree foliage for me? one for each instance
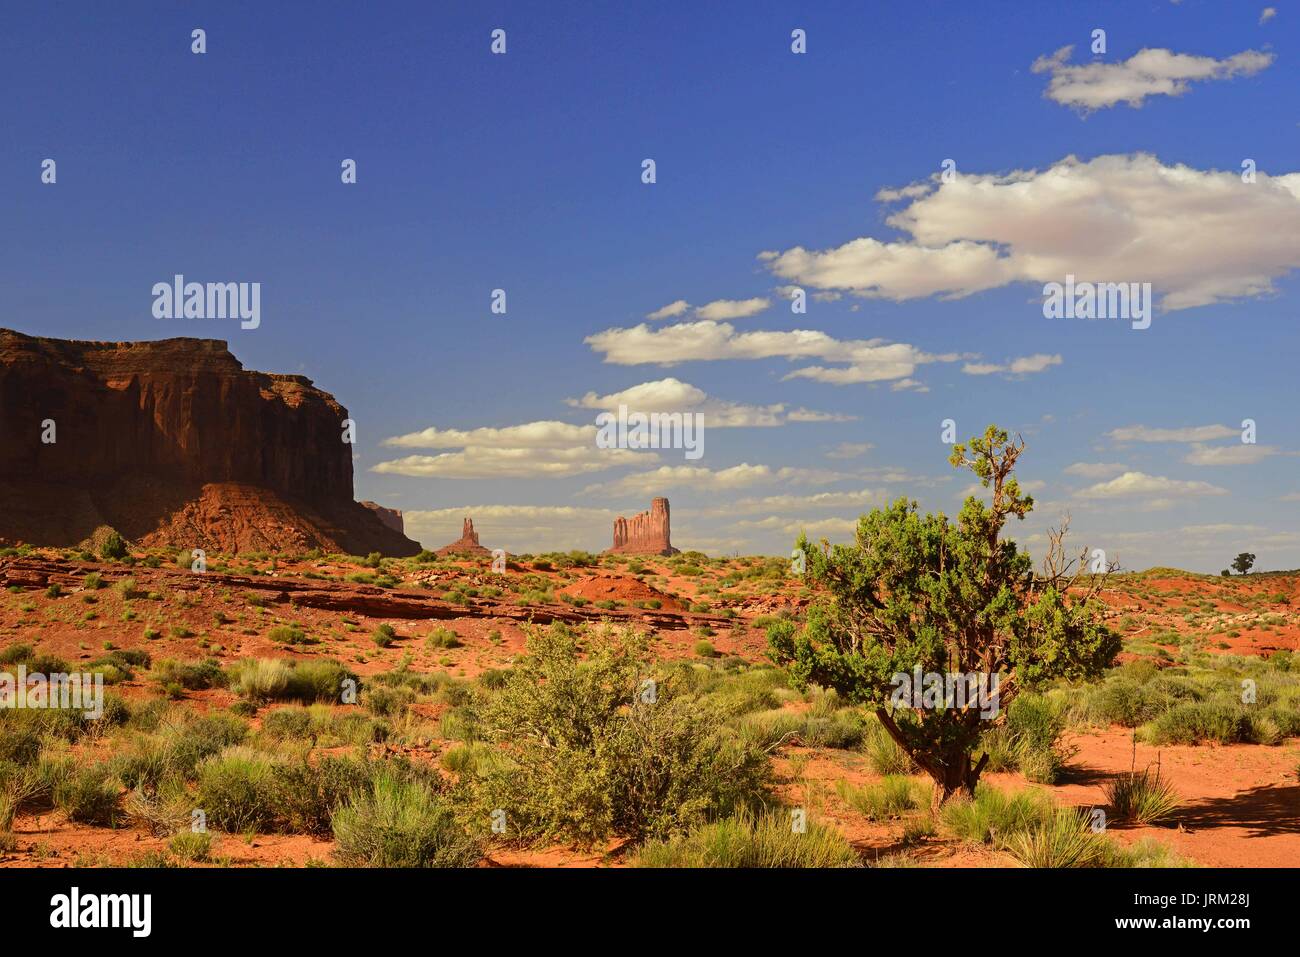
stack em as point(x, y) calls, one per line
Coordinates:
point(952, 598)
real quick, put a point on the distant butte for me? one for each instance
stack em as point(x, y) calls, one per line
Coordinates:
point(467, 544)
point(646, 533)
point(173, 443)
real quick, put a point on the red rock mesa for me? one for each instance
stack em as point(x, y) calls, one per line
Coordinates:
point(645, 533)
point(174, 443)
point(392, 517)
point(467, 544)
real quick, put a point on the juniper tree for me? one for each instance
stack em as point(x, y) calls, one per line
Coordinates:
point(1243, 562)
point(950, 597)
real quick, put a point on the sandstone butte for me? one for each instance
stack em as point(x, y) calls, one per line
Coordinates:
point(173, 443)
point(467, 544)
point(645, 533)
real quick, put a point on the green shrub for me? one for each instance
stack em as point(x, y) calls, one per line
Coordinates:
point(891, 798)
point(384, 635)
point(89, 795)
point(705, 649)
point(442, 638)
point(1065, 840)
point(192, 846)
point(591, 758)
point(993, 816)
point(236, 790)
point(112, 546)
point(1143, 797)
point(748, 840)
point(400, 823)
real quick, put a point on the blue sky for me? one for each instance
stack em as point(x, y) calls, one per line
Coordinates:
point(523, 172)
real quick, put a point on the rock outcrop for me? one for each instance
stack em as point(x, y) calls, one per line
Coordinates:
point(467, 544)
point(392, 517)
point(173, 442)
point(646, 533)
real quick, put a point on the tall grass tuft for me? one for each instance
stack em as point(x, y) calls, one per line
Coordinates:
point(752, 840)
point(1144, 797)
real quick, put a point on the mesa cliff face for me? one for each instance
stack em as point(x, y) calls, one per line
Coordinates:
point(173, 442)
point(646, 533)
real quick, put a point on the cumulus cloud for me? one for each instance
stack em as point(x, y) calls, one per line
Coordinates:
point(1267, 14)
point(722, 309)
point(1139, 484)
point(1197, 236)
point(544, 449)
point(1095, 470)
point(674, 395)
point(670, 311)
point(1149, 72)
point(1238, 454)
point(1195, 433)
point(530, 435)
point(849, 450)
point(486, 462)
point(866, 360)
point(1025, 365)
point(701, 479)
point(715, 311)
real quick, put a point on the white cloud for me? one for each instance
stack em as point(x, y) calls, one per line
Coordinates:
point(1139, 484)
point(849, 450)
point(868, 360)
point(1267, 14)
point(722, 309)
point(1238, 454)
point(487, 462)
point(530, 435)
point(1149, 72)
point(1095, 470)
point(1197, 236)
point(1196, 433)
point(701, 479)
point(670, 311)
point(674, 395)
point(831, 528)
point(855, 500)
point(1025, 365)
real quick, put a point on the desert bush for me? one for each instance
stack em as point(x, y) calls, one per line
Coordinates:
point(442, 638)
point(400, 823)
point(1194, 722)
point(1066, 839)
point(89, 795)
point(387, 700)
point(992, 816)
point(893, 796)
point(1144, 797)
point(306, 796)
point(590, 758)
point(235, 790)
point(193, 675)
point(752, 840)
point(384, 635)
point(276, 679)
point(191, 846)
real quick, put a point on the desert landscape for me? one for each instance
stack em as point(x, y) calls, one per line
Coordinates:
point(274, 698)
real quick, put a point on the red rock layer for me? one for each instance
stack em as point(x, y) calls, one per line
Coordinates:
point(646, 533)
point(173, 442)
